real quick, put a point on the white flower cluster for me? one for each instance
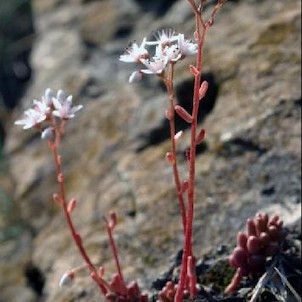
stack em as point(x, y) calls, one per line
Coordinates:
point(59, 106)
point(169, 47)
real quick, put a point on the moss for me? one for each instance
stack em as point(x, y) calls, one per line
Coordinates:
point(219, 276)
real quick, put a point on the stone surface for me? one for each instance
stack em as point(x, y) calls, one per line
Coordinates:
point(113, 152)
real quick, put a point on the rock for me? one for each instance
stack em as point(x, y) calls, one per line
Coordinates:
point(102, 21)
point(113, 151)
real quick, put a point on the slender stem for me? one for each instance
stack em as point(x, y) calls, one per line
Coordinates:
point(170, 88)
point(187, 251)
point(54, 148)
point(115, 253)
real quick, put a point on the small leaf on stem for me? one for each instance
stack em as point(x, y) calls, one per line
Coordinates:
point(112, 220)
point(60, 177)
point(200, 137)
point(184, 186)
point(170, 158)
point(101, 271)
point(168, 114)
point(194, 70)
point(203, 89)
point(185, 115)
point(71, 205)
point(57, 199)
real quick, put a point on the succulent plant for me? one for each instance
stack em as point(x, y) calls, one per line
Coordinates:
point(262, 239)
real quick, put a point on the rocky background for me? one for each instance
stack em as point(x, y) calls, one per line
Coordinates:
point(113, 152)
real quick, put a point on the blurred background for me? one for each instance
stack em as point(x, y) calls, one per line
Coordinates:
point(113, 151)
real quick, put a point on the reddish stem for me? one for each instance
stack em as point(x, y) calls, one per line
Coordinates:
point(170, 89)
point(187, 250)
point(103, 285)
point(115, 253)
point(235, 282)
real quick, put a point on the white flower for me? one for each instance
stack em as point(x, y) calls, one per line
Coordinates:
point(172, 53)
point(163, 37)
point(63, 106)
point(135, 76)
point(169, 53)
point(41, 107)
point(155, 66)
point(135, 53)
point(186, 47)
point(61, 97)
point(47, 98)
point(32, 117)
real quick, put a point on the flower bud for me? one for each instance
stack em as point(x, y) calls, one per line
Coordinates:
point(48, 134)
point(178, 135)
point(66, 279)
point(136, 76)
